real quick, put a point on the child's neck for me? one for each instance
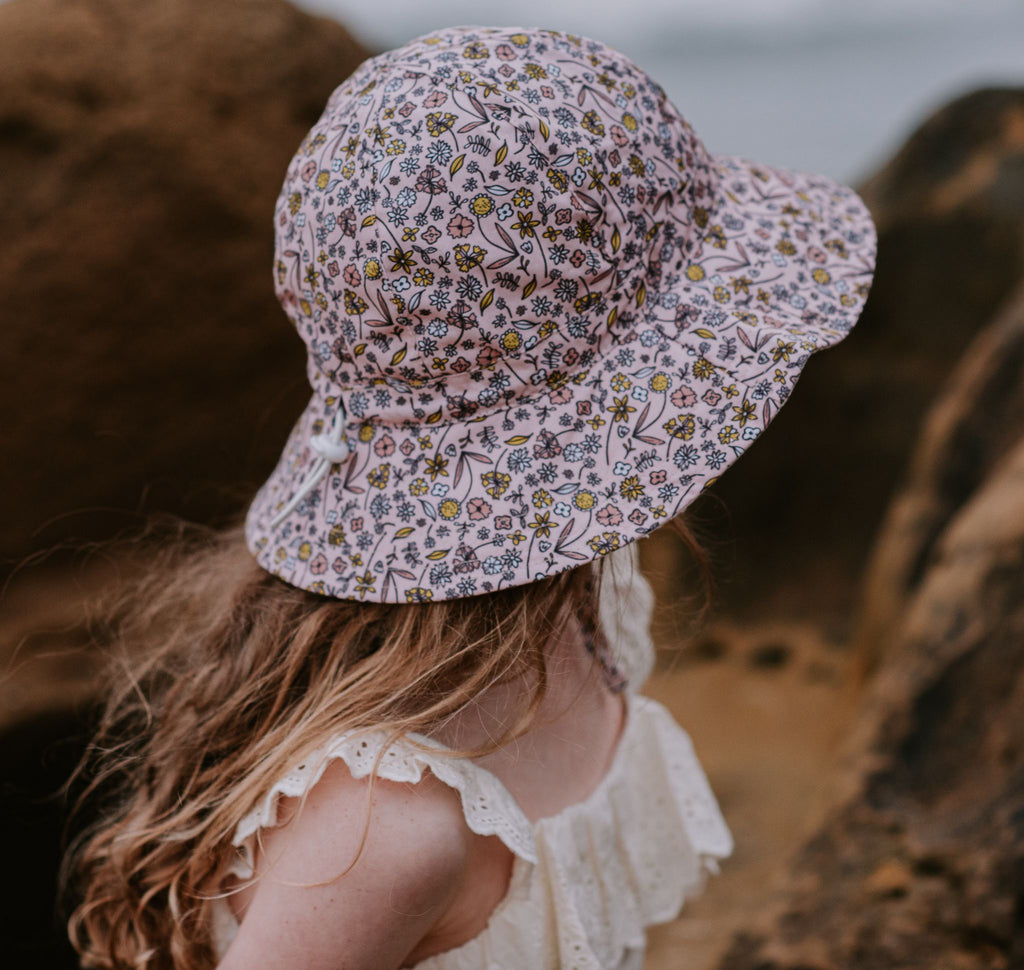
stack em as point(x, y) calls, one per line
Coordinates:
point(570, 742)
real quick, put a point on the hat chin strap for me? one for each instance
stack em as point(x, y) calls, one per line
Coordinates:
point(333, 448)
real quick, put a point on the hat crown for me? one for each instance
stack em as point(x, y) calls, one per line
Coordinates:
point(489, 206)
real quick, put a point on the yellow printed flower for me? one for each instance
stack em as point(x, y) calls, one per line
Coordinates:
point(438, 122)
point(558, 179)
point(495, 483)
point(378, 477)
point(294, 202)
point(630, 488)
point(371, 269)
point(468, 257)
point(511, 341)
point(305, 551)
point(728, 434)
point(782, 350)
point(522, 198)
point(659, 382)
point(438, 465)
point(526, 224)
point(542, 498)
point(621, 383)
point(703, 368)
point(584, 500)
point(418, 486)
point(680, 427)
point(629, 122)
point(402, 260)
point(822, 276)
point(354, 304)
point(744, 412)
point(695, 272)
point(449, 508)
point(620, 409)
point(419, 595)
point(542, 523)
point(322, 178)
point(482, 205)
point(592, 122)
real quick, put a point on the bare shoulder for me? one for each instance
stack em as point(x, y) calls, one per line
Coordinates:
point(365, 871)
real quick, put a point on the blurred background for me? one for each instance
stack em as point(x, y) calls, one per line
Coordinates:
point(822, 85)
point(855, 692)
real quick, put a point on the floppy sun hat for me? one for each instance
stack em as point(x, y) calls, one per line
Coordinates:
point(540, 316)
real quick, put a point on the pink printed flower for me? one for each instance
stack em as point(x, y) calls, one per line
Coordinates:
point(435, 99)
point(818, 255)
point(583, 408)
point(609, 515)
point(319, 565)
point(407, 447)
point(577, 258)
point(431, 235)
point(683, 397)
point(459, 227)
point(352, 276)
point(503, 522)
point(637, 517)
point(357, 524)
point(571, 356)
point(619, 136)
point(546, 91)
point(505, 52)
point(407, 109)
point(561, 396)
point(338, 565)
point(333, 268)
point(385, 446)
point(308, 170)
point(711, 397)
point(506, 70)
point(658, 477)
point(460, 364)
point(488, 357)
point(563, 216)
point(615, 158)
point(478, 509)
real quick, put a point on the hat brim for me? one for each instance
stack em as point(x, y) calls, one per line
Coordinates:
point(778, 267)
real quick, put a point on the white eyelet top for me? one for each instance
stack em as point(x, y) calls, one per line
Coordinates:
point(589, 880)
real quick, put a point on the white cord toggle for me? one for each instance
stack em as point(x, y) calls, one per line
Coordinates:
point(333, 451)
point(332, 448)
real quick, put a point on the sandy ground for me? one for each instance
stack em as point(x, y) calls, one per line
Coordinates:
point(768, 718)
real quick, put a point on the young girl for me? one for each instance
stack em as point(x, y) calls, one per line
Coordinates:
point(398, 724)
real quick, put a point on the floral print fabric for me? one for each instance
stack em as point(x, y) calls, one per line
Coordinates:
point(551, 316)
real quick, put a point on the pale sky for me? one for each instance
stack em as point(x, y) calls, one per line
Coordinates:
point(824, 85)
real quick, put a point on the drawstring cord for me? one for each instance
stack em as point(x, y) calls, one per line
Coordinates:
point(332, 448)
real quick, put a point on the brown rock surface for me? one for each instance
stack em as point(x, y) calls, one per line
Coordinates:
point(146, 364)
point(797, 515)
point(922, 864)
point(973, 424)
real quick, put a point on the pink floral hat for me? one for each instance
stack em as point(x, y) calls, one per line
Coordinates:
point(541, 317)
